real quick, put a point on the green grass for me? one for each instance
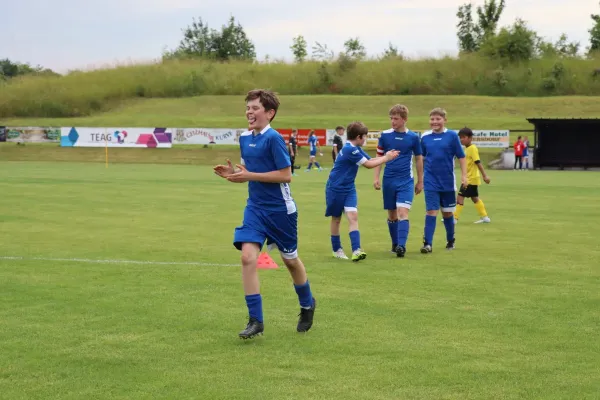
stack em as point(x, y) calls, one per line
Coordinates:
point(512, 313)
point(478, 112)
point(86, 93)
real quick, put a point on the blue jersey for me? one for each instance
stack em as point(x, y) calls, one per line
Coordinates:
point(266, 152)
point(409, 144)
point(312, 141)
point(345, 168)
point(439, 150)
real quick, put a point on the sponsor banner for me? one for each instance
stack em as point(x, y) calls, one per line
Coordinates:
point(32, 134)
point(372, 139)
point(2, 134)
point(302, 136)
point(206, 135)
point(498, 139)
point(116, 137)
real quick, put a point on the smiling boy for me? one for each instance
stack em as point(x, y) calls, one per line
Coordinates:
point(270, 213)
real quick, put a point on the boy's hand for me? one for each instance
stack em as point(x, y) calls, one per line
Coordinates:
point(418, 187)
point(377, 184)
point(390, 155)
point(239, 177)
point(486, 179)
point(464, 181)
point(224, 170)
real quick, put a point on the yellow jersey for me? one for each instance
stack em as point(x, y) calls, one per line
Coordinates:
point(472, 155)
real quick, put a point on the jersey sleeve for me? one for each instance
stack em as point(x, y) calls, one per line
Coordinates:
point(417, 150)
point(279, 152)
point(358, 156)
point(380, 146)
point(458, 150)
point(475, 155)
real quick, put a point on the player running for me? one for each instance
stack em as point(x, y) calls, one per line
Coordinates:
point(313, 142)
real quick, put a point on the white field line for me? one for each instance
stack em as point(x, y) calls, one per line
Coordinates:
point(139, 262)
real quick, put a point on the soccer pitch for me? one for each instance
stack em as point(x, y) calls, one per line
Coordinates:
point(512, 313)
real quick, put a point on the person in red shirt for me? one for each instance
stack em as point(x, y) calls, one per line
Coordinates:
point(518, 146)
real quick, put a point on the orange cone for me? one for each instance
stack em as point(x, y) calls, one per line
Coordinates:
point(266, 262)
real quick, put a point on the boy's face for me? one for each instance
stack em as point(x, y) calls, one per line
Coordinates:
point(340, 132)
point(257, 117)
point(465, 140)
point(360, 141)
point(437, 122)
point(398, 123)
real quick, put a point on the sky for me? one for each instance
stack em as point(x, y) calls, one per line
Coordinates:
point(85, 34)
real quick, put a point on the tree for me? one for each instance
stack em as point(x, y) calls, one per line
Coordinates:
point(391, 52)
point(467, 30)
point(595, 34)
point(298, 48)
point(321, 52)
point(488, 17)
point(562, 48)
point(514, 43)
point(200, 41)
point(354, 49)
point(471, 35)
point(10, 69)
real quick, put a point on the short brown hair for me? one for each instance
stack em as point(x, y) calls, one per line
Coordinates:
point(466, 131)
point(339, 127)
point(267, 98)
point(438, 111)
point(355, 130)
point(400, 110)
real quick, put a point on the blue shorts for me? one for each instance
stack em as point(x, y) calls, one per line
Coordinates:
point(444, 200)
point(525, 152)
point(277, 228)
point(398, 196)
point(340, 202)
point(313, 152)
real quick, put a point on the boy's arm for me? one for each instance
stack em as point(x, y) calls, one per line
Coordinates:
point(460, 154)
point(283, 174)
point(418, 152)
point(377, 161)
point(377, 169)
point(480, 166)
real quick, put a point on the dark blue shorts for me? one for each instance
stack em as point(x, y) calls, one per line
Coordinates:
point(340, 202)
point(279, 229)
point(397, 195)
point(445, 200)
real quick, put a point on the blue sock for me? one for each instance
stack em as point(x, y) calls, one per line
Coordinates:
point(336, 243)
point(429, 228)
point(449, 224)
point(393, 227)
point(304, 295)
point(355, 240)
point(403, 227)
point(309, 166)
point(317, 164)
point(254, 303)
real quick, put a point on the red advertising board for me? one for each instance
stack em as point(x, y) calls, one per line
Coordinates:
point(302, 136)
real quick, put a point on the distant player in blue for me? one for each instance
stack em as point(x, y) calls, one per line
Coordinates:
point(313, 142)
point(398, 182)
point(340, 191)
point(270, 213)
point(440, 146)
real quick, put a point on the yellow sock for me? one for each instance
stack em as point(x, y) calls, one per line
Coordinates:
point(459, 208)
point(481, 208)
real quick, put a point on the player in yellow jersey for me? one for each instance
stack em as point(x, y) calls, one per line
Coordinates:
point(474, 167)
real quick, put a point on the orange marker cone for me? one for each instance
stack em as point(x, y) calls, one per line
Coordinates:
point(266, 262)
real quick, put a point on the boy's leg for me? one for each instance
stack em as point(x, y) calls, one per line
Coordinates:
point(249, 238)
point(448, 203)
point(480, 207)
point(389, 204)
point(283, 233)
point(334, 209)
point(351, 210)
point(432, 205)
point(310, 161)
point(404, 199)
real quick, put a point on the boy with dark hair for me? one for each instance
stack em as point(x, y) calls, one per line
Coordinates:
point(474, 168)
point(270, 213)
point(518, 146)
point(313, 143)
point(340, 192)
point(338, 142)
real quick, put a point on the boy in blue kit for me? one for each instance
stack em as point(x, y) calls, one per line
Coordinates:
point(398, 182)
point(270, 213)
point(439, 149)
point(313, 142)
point(340, 192)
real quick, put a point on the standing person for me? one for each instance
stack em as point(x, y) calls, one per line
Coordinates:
point(340, 192)
point(270, 213)
point(313, 142)
point(475, 172)
point(398, 182)
point(338, 142)
point(518, 146)
point(439, 149)
point(526, 152)
point(292, 146)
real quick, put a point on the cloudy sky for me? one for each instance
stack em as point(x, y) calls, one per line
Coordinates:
point(68, 34)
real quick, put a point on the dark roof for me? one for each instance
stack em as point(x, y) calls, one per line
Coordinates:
point(576, 120)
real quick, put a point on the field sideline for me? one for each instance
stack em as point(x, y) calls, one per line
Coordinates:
point(512, 313)
point(328, 111)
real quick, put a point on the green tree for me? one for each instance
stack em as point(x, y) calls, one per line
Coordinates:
point(10, 69)
point(322, 52)
point(391, 52)
point(595, 34)
point(354, 49)
point(201, 41)
point(298, 48)
point(488, 16)
point(467, 30)
point(562, 48)
point(471, 35)
point(514, 43)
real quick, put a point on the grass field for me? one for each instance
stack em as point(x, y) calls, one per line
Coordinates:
point(512, 313)
point(328, 111)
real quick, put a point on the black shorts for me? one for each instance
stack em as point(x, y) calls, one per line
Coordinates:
point(469, 191)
